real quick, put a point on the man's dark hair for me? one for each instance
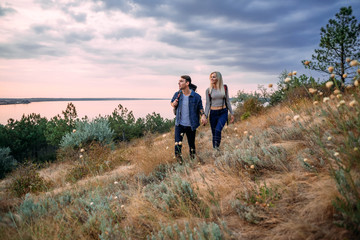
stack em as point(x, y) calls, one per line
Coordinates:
point(188, 79)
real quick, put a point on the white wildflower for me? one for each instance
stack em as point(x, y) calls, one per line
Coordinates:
point(326, 99)
point(329, 84)
point(354, 63)
point(353, 103)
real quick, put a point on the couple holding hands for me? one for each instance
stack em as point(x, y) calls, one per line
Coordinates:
point(188, 108)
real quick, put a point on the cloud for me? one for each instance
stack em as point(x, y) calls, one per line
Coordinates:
point(251, 42)
point(6, 10)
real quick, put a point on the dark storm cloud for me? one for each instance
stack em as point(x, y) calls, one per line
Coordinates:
point(6, 10)
point(273, 26)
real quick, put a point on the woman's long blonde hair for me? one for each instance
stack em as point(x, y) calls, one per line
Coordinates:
point(219, 84)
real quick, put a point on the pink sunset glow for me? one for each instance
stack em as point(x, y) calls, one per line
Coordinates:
point(132, 49)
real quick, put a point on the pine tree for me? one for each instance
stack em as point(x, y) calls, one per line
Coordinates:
point(339, 43)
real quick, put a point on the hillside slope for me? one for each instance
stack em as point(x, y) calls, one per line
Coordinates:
point(269, 181)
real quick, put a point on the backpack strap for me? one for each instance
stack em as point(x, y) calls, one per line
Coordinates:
point(209, 96)
point(226, 89)
point(178, 96)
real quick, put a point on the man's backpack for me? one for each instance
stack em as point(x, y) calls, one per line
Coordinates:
point(178, 96)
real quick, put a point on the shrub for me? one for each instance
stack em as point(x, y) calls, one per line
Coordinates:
point(124, 124)
point(248, 104)
point(27, 140)
point(177, 196)
point(58, 126)
point(86, 132)
point(28, 180)
point(202, 231)
point(154, 123)
point(92, 160)
point(7, 162)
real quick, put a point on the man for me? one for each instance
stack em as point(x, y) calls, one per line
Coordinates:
point(188, 107)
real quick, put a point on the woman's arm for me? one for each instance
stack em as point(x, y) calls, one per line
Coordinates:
point(228, 104)
point(207, 106)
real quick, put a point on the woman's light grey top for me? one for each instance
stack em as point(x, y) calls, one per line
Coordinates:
point(217, 100)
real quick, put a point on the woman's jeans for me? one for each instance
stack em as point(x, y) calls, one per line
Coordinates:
point(218, 119)
point(180, 130)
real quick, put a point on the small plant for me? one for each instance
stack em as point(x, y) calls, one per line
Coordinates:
point(92, 161)
point(262, 195)
point(86, 132)
point(7, 162)
point(27, 179)
point(202, 231)
point(247, 212)
point(177, 196)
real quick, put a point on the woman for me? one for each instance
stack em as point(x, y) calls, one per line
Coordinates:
point(217, 105)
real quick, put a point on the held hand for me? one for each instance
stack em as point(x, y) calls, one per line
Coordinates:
point(203, 120)
point(232, 119)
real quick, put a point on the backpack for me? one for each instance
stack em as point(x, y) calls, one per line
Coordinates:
point(178, 96)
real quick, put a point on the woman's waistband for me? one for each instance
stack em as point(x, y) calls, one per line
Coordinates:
point(217, 108)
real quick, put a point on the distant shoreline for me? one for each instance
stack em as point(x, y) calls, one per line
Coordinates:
point(8, 101)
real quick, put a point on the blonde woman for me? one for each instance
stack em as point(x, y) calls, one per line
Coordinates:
point(217, 106)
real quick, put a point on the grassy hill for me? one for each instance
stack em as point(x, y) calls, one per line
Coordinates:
point(291, 172)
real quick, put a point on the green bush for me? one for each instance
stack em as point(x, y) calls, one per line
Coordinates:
point(58, 126)
point(97, 130)
point(124, 124)
point(202, 231)
point(28, 180)
point(26, 139)
point(176, 196)
point(92, 161)
point(154, 123)
point(7, 162)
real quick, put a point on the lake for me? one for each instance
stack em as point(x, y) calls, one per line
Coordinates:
point(91, 109)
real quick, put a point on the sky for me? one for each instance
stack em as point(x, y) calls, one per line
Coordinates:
point(140, 48)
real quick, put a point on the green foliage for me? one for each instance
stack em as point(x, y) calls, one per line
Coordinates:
point(27, 179)
point(58, 126)
point(248, 212)
point(86, 132)
point(262, 194)
point(176, 196)
point(257, 151)
point(154, 123)
point(124, 124)
point(292, 89)
point(126, 127)
point(26, 139)
point(93, 161)
point(30, 211)
point(203, 230)
point(248, 104)
point(340, 152)
point(92, 214)
point(7, 162)
point(340, 39)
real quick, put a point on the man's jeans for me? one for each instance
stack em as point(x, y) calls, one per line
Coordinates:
point(218, 119)
point(180, 130)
